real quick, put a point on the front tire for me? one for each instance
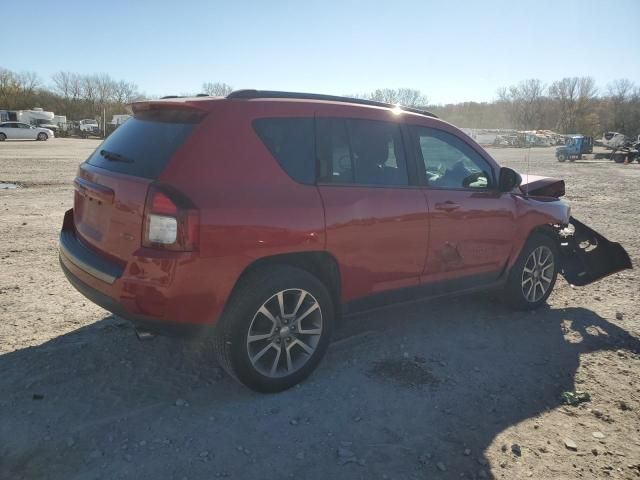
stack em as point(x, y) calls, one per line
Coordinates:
point(3, 137)
point(533, 276)
point(42, 137)
point(275, 329)
point(561, 157)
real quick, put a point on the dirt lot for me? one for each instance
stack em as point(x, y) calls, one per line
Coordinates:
point(451, 388)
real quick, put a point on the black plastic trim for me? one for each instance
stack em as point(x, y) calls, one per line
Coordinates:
point(459, 286)
point(87, 260)
point(587, 256)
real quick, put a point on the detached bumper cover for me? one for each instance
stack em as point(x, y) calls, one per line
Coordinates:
point(587, 256)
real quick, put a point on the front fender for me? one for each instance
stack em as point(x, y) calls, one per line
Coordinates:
point(586, 256)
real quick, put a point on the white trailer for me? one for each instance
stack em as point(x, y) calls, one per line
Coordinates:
point(36, 117)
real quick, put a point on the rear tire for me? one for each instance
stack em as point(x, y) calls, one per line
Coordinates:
point(533, 276)
point(264, 349)
point(42, 137)
point(3, 137)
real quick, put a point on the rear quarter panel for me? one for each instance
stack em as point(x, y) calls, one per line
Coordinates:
point(249, 207)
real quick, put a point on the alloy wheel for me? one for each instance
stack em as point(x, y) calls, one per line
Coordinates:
point(537, 274)
point(284, 333)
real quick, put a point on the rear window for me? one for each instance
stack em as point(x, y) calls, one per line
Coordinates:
point(291, 142)
point(143, 145)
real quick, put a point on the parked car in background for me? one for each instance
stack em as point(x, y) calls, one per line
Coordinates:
point(23, 131)
point(45, 124)
point(262, 217)
point(88, 126)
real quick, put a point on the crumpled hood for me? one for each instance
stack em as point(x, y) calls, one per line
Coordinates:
point(538, 186)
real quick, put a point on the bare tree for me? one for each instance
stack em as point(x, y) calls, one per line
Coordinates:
point(125, 92)
point(89, 88)
point(623, 104)
point(28, 82)
point(573, 97)
point(525, 103)
point(409, 97)
point(62, 83)
point(620, 89)
point(8, 88)
point(216, 89)
point(77, 87)
point(105, 88)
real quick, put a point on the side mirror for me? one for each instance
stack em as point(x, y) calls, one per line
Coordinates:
point(509, 179)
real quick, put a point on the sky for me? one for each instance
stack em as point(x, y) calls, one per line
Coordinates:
point(452, 51)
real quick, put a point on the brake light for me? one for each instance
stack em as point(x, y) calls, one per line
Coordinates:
point(171, 221)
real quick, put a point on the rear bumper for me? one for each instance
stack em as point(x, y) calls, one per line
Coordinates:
point(85, 259)
point(165, 292)
point(108, 303)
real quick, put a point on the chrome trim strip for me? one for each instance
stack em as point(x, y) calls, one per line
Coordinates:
point(105, 277)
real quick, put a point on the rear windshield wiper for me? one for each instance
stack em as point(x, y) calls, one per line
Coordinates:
point(116, 157)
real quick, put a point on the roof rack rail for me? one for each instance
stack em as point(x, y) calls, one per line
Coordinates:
point(249, 94)
point(186, 96)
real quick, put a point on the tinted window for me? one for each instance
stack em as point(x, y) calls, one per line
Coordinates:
point(332, 149)
point(450, 163)
point(291, 142)
point(364, 152)
point(144, 145)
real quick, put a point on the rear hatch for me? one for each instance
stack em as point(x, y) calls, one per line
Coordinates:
point(111, 186)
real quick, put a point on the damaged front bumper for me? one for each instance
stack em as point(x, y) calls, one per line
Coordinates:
point(586, 256)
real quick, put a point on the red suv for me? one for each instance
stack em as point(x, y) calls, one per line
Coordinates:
point(263, 217)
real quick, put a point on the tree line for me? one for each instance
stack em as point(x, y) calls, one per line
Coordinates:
point(75, 95)
point(569, 105)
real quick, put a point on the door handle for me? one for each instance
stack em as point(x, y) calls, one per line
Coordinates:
point(447, 206)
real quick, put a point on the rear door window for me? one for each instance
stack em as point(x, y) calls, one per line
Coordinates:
point(143, 146)
point(364, 152)
point(291, 142)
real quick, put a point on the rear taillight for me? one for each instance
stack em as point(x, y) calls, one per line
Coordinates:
point(171, 221)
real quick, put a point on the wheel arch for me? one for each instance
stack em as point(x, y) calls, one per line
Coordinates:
point(320, 264)
point(548, 229)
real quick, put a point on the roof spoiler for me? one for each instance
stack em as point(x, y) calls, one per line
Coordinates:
point(166, 103)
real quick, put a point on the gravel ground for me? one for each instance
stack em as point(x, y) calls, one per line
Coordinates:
point(449, 388)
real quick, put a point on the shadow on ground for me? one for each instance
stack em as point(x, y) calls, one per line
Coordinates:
point(401, 390)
